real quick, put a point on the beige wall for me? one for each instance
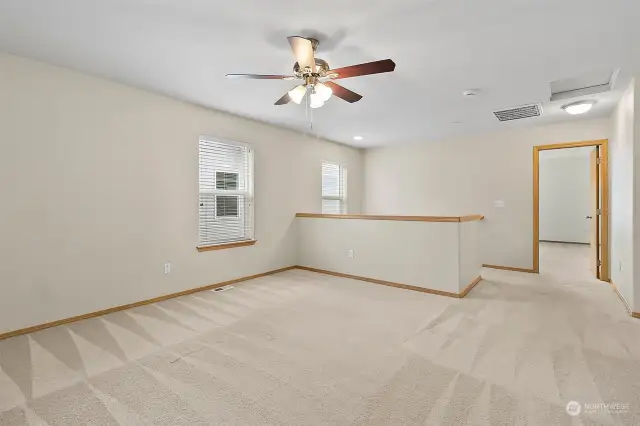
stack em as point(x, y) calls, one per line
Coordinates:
point(433, 255)
point(636, 192)
point(99, 187)
point(467, 176)
point(621, 152)
point(469, 253)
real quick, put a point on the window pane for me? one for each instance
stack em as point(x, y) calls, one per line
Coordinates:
point(330, 180)
point(226, 181)
point(334, 185)
point(207, 216)
point(331, 207)
point(227, 206)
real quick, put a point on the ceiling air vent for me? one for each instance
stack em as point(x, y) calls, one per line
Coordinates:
point(525, 111)
point(587, 84)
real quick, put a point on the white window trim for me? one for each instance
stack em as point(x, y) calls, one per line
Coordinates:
point(249, 194)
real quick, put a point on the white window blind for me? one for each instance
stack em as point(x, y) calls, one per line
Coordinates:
point(334, 189)
point(226, 192)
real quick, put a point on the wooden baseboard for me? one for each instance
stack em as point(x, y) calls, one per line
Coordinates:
point(623, 300)
point(394, 284)
point(564, 242)
point(64, 321)
point(510, 268)
point(35, 328)
point(469, 287)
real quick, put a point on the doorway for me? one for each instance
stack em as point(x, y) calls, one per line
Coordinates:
point(570, 202)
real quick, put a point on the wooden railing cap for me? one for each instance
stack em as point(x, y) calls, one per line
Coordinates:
point(467, 218)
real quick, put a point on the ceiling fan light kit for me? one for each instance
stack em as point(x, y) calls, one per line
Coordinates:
point(323, 91)
point(315, 101)
point(317, 75)
point(297, 93)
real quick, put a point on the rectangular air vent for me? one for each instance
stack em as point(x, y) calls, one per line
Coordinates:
point(584, 85)
point(525, 111)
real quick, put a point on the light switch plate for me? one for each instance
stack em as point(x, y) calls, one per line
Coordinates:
point(499, 203)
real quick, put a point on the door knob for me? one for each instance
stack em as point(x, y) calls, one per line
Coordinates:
point(588, 217)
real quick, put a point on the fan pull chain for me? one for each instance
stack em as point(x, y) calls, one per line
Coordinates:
point(309, 111)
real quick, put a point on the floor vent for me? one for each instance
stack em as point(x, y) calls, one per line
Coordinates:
point(225, 288)
point(526, 111)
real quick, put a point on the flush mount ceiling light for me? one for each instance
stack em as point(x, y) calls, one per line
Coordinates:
point(357, 138)
point(579, 107)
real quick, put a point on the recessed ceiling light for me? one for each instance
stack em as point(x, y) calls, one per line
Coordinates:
point(357, 138)
point(578, 107)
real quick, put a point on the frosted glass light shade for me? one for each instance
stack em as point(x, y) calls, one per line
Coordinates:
point(323, 91)
point(316, 100)
point(297, 93)
point(578, 107)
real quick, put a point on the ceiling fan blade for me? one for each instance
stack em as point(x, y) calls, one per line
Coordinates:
point(303, 51)
point(343, 93)
point(283, 100)
point(377, 67)
point(262, 76)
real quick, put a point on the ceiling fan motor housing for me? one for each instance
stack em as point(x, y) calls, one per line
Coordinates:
point(322, 67)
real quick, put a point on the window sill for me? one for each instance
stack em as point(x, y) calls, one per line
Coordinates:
point(227, 245)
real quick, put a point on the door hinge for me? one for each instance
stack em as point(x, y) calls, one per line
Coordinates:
point(599, 160)
point(599, 212)
point(599, 262)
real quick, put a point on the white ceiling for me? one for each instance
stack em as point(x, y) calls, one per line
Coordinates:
point(509, 50)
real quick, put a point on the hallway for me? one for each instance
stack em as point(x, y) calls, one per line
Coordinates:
point(566, 261)
point(568, 333)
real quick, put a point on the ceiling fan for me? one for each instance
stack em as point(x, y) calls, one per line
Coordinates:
point(317, 76)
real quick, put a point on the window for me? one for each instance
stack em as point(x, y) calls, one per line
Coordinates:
point(334, 189)
point(227, 206)
point(226, 192)
point(227, 181)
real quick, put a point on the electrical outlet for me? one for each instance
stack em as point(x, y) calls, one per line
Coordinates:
point(167, 268)
point(350, 253)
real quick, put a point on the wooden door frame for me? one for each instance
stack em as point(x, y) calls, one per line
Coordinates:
point(604, 171)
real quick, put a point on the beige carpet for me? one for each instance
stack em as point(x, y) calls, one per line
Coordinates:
point(566, 262)
point(300, 348)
